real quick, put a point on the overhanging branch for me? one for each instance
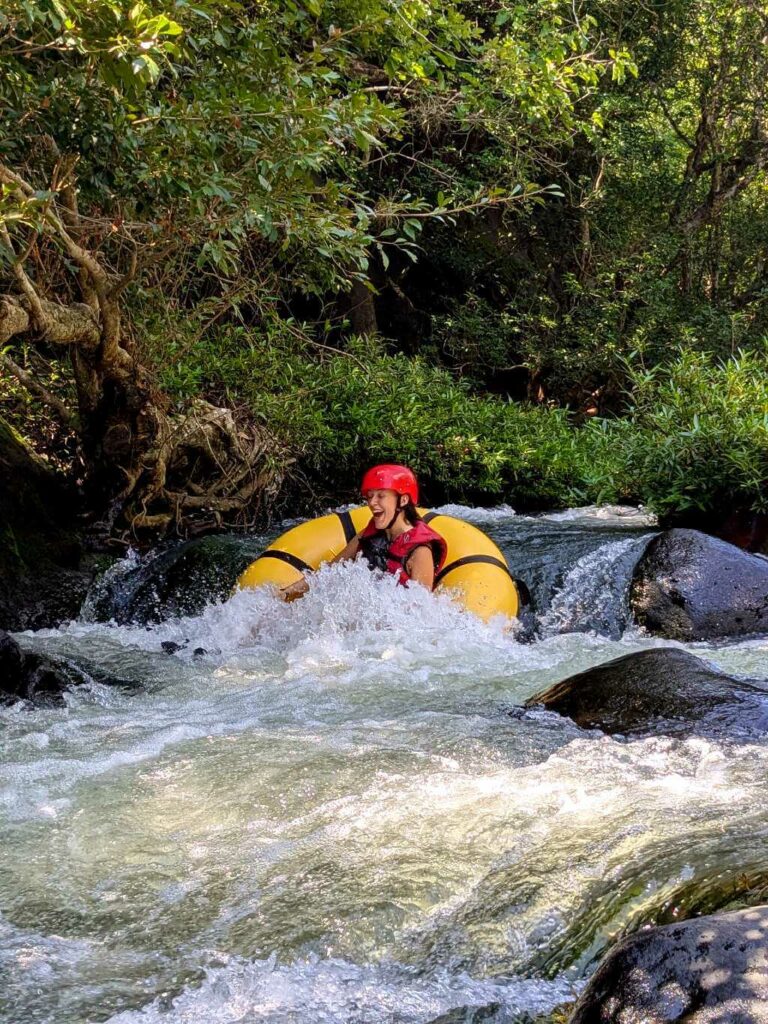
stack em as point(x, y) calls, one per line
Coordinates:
point(33, 385)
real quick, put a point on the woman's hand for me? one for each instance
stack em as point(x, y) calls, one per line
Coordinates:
point(293, 590)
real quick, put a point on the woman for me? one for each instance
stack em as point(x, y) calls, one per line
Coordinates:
point(397, 540)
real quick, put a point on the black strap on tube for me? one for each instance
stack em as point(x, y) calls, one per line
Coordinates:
point(347, 526)
point(472, 560)
point(286, 556)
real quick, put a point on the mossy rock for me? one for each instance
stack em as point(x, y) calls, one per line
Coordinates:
point(179, 580)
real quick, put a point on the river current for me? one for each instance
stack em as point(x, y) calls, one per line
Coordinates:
point(337, 814)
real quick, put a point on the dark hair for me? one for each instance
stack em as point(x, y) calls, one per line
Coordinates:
point(411, 513)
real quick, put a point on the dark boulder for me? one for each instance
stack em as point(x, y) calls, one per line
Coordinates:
point(180, 580)
point(41, 580)
point(30, 676)
point(660, 690)
point(709, 970)
point(689, 586)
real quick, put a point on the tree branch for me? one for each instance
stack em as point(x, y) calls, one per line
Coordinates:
point(64, 325)
point(28, 289)
point(29, 382)
point(14, 319)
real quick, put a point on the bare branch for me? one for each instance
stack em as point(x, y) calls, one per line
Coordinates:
point(33, 385)
point(127, 277)
point(9, 177)
point(28, 289)
point(64, 325)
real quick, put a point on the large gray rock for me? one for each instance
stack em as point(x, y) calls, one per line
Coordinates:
point(660, 690)
point(689, 586)
point(710, 970)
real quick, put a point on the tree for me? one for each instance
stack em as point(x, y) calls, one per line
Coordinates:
point(231, 157)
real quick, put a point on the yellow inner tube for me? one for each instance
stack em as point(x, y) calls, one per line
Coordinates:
point(475, 569)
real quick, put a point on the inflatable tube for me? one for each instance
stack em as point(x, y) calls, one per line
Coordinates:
point(475, 569)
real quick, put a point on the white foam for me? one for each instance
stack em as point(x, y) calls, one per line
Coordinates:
point(336, 991)
point(478, 516)
point(626, 515)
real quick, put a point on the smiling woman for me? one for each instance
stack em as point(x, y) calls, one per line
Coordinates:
point(438, 551)
point(397, 539)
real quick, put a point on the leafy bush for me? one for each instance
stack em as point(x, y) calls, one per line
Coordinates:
point(696, 438)
point(345, 411)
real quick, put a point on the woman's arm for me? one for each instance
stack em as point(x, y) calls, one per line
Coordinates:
point(300, 587)
point(420, 566)
point(350, 551)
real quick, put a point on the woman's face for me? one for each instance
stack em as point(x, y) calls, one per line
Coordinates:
point(383, 505)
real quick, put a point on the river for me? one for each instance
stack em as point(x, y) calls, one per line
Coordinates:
point(336, 814)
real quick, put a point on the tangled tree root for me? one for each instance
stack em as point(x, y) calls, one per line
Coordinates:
point(208, 469)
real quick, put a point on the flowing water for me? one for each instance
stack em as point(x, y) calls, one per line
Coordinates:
point(332, 815)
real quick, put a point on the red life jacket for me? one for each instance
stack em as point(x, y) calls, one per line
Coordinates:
point(400, 548)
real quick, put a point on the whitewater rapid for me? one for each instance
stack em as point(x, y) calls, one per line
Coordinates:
point(338, 813)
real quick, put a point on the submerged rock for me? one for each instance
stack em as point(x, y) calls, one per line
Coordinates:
point(29, 676)
point(181, 580)
point(705, 971)
point(26, 675)
point(689, 586)
point(660, 690)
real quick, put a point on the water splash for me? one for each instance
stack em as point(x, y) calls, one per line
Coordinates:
point(478, 516)
point(595, 592)
point(626, 515)
point(335, 991)
point(109, 582)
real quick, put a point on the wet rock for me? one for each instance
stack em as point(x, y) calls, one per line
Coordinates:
point(661, 690)
point(721, 888)
point(710, 970)
point(181, 580)
point(689, 586)
point(27, 675)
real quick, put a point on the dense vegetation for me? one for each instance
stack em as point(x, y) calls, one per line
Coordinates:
point(248, 247)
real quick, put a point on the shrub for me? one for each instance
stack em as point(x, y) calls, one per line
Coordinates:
point(345, 411)
point(696, 438)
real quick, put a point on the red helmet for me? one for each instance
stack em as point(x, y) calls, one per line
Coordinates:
point(391, 478)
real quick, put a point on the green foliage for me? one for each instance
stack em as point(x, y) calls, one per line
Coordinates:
point(696, 438)
point(258, 159)
point(345, 411)
point(243, 135)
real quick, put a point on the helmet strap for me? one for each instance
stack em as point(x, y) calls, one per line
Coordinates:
point(400, 508)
